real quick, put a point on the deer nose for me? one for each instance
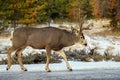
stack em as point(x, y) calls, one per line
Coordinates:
point(85, 44)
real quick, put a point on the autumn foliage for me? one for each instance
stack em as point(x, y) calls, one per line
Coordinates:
point(38, 11)
point(107, 9)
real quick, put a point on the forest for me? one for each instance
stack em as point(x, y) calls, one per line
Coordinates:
point(13, 12)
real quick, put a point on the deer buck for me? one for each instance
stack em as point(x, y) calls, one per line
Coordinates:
point(48, 38)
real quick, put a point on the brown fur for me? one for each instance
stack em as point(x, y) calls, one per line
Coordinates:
point(39, 38)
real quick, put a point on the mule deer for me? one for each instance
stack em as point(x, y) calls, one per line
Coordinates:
point(49, 38)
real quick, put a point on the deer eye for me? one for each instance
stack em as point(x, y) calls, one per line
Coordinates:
point(77, 31)
point(81, 37)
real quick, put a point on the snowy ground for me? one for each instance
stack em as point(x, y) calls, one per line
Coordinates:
point(62, 66)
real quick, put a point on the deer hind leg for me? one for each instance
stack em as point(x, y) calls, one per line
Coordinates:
point(9, 59)
point(48, 54)
point(62, 53)
point(19, 57)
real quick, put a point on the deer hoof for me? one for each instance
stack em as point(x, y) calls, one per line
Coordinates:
point(70, 69)
point(25, 70)
point(48, 70)
point(7, 68)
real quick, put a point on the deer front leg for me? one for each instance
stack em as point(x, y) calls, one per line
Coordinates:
point(19, 52)
point(48, 54)
point(62, 53)
point(9, 59)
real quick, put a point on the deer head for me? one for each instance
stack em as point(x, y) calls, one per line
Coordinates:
point(78, 32)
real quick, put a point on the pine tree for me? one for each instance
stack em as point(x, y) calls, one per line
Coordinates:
point(18, 11)
point(113, 11)
point(97, 8)
point(79, 8)
point(28, 10)
point(107, 9)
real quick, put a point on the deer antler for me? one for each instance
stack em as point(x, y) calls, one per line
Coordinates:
point(88, 27)
point(81, 21)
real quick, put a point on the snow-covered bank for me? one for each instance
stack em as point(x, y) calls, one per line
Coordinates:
point(62, 66)
point(110, 44)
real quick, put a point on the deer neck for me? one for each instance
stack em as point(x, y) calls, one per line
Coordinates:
point(75, 38)
point(71, 40)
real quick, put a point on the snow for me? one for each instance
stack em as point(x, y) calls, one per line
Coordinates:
point(62, 66)
point(5, 42)
point(103, 44)
point(99, 23)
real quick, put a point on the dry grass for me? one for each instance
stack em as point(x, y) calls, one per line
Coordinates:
point(116, 58)
point(97, 57)
point(5, 34)
point(109, 32)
